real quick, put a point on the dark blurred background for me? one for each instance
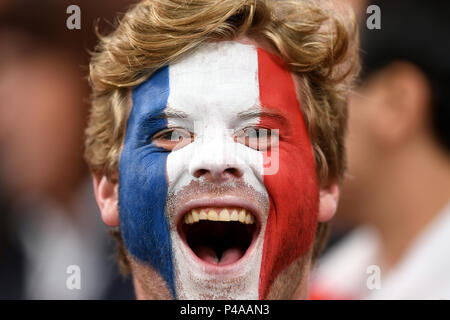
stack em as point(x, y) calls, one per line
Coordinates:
point(48, 216)
point(391, 234)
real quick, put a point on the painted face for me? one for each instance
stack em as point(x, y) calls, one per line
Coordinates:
point(217, 186)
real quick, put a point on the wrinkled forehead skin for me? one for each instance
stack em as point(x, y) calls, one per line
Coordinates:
point(211, 88)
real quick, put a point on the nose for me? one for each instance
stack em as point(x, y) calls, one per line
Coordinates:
point(218, 172)
point(216, 167)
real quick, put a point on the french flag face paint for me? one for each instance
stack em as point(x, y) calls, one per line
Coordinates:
point(217, 187)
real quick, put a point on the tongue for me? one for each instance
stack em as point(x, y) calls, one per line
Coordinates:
point(206, 254)
point(229, 256)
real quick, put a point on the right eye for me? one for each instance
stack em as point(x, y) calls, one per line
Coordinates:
point(173, 138)
point(261, 139)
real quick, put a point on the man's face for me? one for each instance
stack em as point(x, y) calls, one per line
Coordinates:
point(217, 187)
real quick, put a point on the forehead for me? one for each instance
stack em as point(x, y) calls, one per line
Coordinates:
point(220, 78)
point(217, 84)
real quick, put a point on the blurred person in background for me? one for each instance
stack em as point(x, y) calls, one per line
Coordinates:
point(397, 193)
point(49, 219)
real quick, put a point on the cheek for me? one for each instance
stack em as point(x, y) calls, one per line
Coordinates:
point(292, 220)
point(142, 197)
point(293, 188)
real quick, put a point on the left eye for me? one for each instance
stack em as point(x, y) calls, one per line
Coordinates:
point(173, 138)
point(257, 138)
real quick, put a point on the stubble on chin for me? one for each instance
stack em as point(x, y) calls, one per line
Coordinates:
point(291, 283)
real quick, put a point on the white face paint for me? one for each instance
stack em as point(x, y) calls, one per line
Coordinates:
point(210, 88)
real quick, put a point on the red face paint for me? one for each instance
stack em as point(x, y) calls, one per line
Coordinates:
point(293, 190)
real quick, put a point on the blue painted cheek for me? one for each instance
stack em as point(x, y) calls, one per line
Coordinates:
point(143, 182)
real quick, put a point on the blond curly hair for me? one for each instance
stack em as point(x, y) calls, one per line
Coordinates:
point(316, 44)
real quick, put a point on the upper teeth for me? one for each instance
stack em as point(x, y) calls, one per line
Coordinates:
point(221, 214)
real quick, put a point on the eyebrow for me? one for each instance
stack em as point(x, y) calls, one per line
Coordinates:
point(151, 118)
point(171, 113)
point(262, 112)
point(252, 113)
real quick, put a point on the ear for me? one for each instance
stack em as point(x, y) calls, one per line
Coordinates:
point(403, 107)
point(329, 196)
point(106, 195)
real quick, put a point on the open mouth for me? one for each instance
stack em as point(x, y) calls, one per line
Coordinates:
point(217, 235)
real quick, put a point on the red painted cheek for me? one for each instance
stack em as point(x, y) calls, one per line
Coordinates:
point(293, 189)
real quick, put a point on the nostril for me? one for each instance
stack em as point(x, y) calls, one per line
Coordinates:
point(234, 172)
point(218, 174)
point(200, 172)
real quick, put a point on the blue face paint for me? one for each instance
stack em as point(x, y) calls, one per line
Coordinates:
point(143, 181)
